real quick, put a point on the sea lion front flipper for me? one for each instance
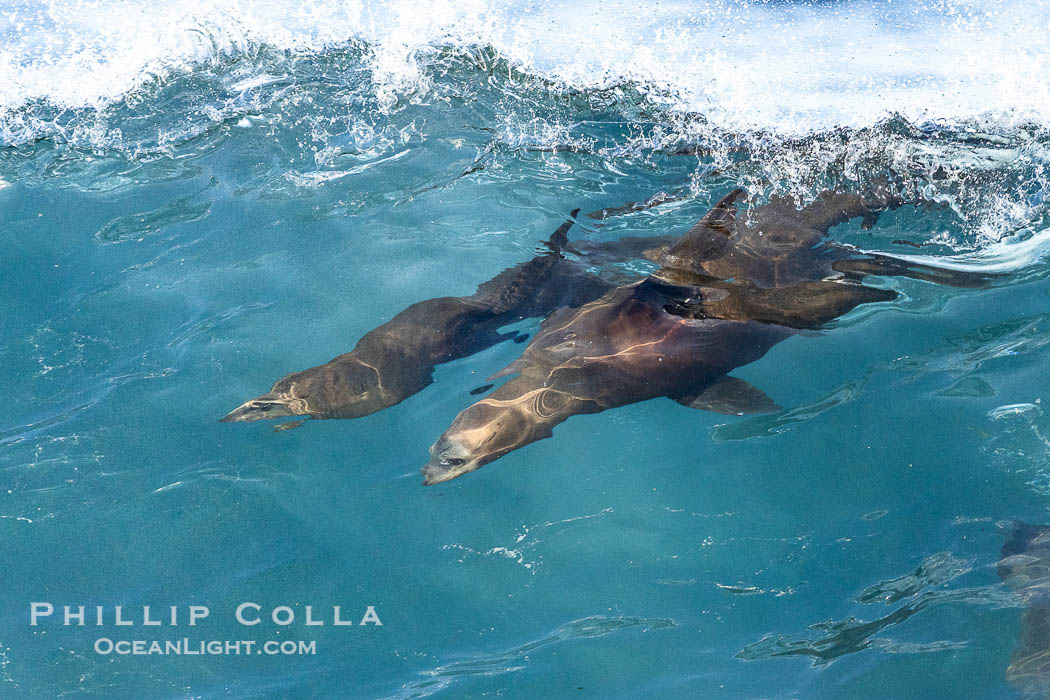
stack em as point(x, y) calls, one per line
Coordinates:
point(803, 305)
point(731, 396)
point(708, 239)
point(512, 288)
point(559, 240)
point(722, 217)
point(886, 266)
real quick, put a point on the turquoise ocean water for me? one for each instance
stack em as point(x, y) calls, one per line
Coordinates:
point(197, 201)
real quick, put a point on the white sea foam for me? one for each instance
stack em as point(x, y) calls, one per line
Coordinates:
point(811, 90)
point(1009, 254)
point(773, 66)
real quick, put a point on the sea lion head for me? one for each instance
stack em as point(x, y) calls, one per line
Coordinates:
point(451, 457)
point(343, 388)
point(269, 405)
point(491, 428)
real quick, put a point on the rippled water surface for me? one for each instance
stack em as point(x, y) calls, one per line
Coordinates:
point(196, 202)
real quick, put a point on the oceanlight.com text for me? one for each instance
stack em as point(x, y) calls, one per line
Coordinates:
point(186, 647)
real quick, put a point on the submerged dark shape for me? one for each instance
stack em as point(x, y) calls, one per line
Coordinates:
point(1025, 567)
point(777, 244)
point(728, 290)
point(397, 359)
point(618, 350)
point(631, 207)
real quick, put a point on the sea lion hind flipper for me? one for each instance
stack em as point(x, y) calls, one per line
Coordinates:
point(517, 288)
point(731, 396)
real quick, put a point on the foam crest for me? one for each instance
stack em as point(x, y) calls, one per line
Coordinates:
point(782, 97)
point(786, 67)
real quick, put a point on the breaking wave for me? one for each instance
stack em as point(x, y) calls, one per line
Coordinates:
point(789, 97)
point(776, 66)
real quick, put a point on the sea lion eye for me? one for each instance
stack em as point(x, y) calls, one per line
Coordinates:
point(453, 461)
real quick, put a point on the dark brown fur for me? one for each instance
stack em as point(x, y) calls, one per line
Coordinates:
point(397, 359)
point(728, 290)
point(1025, 567)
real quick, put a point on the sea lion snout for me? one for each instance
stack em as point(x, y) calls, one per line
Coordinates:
point(258, 409)
point(449, 458)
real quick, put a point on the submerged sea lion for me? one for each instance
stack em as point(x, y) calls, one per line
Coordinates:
point(397, 359)
point(729, 289)
point(1025, 567)
point(777, 244)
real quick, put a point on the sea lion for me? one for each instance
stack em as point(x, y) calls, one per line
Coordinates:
point(778, 244)
point(397, 359)
point(728, 290)
point(1025, 567)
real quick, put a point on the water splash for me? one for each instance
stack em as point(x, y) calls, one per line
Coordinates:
point(746, 65)
point(526, 539)
point(1020, 445)
point(796, 98)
